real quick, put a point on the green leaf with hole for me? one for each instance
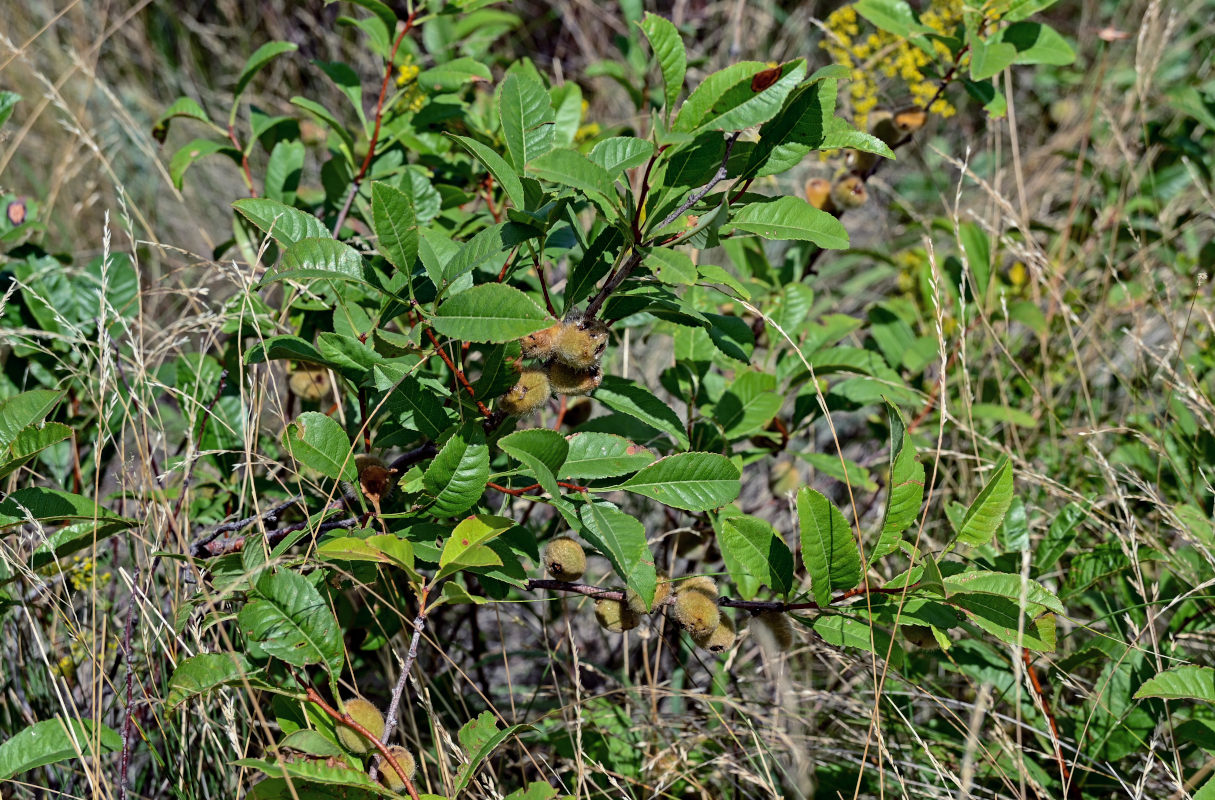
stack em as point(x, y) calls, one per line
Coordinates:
point(291, 621)
point(490, 312)
point(691, 481)
point(828, 546)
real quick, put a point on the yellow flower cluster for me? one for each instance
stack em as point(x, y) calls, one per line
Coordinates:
point(414, 98)
point(883, 54)
point(82, 574)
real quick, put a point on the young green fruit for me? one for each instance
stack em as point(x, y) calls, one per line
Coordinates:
point(309, 383)
point(564, 559)
point(528, 395)
point(721, 639)
point(696, 612)
point(571, 381)
point(389, 776)
point(779, 626)
point(849, 192)
point(661, 590)
point(614, 616)
point(366, 714)
point(580, 342)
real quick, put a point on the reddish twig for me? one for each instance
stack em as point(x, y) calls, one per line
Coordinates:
point(244, 162)
point(520, 491)
point(350, 722)
point(375, 134)
point(459, 373)
point(1040, 695)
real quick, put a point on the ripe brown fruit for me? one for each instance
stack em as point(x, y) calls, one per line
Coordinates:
point(721, 639)
point(696, 611)
point(911, 119)
point(375, 478)
point(528, 395)
point(849, 192)
point(389, 776)
point(661, 590)
point(540, 344)
point(571, 381)
point(366, 714)
point(564, 559)
point(309, 383)
point(614, 616)
point(818, 193)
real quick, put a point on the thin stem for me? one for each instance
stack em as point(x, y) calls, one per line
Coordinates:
point(244, 161)
point(128, 721)
point(375, 134)
point(459, 373)
point(390, 721)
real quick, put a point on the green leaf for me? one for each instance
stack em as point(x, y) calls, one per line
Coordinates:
point(1036, 43)
point(450, 76)
point(668, 48)
point(906, 492)
point(291, 621)
point(285, 347)
point(490, 312)
point(571, 168)
point(396, 225)
point(1059, 536)
point(318, 258)
point(52, 741)
point(619, 153)
point(486, 244)
point(284, 224)
point(311, 780)
point(260, 58)
point(30, 442)
point(318, 442)
point(752, 546)
point(182, 107)
point(201, 673)
point(726, 99)
point(799, 128)
point(621, 537)
point(527, 119)
point(8, 101)
point(466, 547)
point(330, 122)
point(988, 58)
point(789, 218)
point(1006, 585)
point(457, 476)
point(1187, 682)
point(480, 737)
point(602, 455)
point(382, 548)
point(1002, 617)
point(749, 404)
point(892, 16)
point(731, 336)
point(347, 81)
point(841, 631)
point(828, 546)
point(691, 481)
point(985, 514)
point(195, 151)
point(86, 521)
point(22, 410)
point(497, 166)
point(628, 397)
point(542, 451)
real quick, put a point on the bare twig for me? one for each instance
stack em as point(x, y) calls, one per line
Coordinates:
point(270, 515)
point(390, 721)
point(224, 546)
point(128, 721)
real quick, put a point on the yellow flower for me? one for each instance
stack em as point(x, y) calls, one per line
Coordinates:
point(407, 73)
point(587, 132)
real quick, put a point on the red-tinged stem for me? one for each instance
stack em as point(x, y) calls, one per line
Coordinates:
point(459, 373)
point(244, 162)
point(349, 721)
